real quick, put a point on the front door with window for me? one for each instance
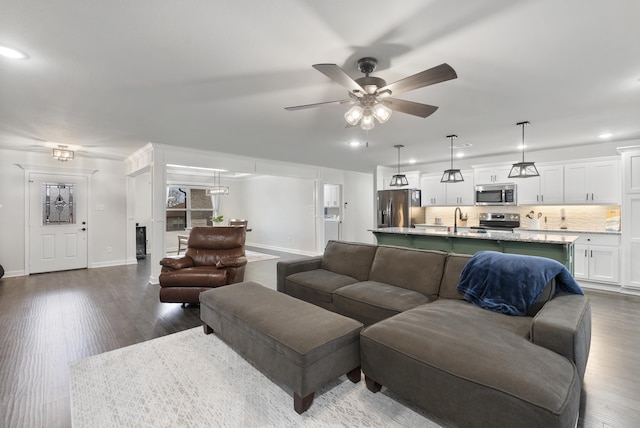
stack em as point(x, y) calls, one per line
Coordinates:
point(57, 222)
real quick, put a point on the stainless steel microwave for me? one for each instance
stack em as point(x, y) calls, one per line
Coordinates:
point(496, 194)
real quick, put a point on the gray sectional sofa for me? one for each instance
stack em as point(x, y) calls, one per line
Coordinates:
point(463, 364)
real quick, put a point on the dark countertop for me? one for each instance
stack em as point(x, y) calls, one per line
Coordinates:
point(539, 237)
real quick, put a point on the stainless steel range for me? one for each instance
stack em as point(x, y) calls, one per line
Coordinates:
point(504, 222)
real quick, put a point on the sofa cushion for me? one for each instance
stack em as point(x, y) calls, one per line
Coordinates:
point(371, 301)
point(316, 285)
point(348, 258)
point(452, 269)
point(471, 366)
point(417, 270)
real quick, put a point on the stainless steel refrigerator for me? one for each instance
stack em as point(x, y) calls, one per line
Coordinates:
point(400, 208)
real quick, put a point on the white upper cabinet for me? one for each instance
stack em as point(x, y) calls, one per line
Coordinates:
point(412, 177)
point(433, 192)
point(497, 174)
point(592, 183)
point(547, 189)
point(331, 195)
point(463, 192)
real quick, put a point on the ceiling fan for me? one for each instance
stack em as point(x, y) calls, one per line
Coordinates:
point(371, 96)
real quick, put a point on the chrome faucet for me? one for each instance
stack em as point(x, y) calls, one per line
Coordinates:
point(455, 219)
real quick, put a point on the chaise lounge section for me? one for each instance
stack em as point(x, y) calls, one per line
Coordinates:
point(464, 364)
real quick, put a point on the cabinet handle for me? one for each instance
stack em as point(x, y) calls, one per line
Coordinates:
point(541, 198)
point(592, 196)
point(537, 198)
point(585, 253)
point(591, 254)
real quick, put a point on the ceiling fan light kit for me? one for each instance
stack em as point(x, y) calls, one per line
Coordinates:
point(399, 180)
point(371, 96)
point(452, 175)
point(523, 169)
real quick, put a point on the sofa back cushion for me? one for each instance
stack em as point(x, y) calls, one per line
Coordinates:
point(451, 277)
point(417, 270)
point(348, 258)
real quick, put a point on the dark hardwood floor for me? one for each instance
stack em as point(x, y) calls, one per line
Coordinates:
point(50, 320)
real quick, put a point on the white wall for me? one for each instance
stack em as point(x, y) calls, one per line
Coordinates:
point(281, 212)
point(106, 228)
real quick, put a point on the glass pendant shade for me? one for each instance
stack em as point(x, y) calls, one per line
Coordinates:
point(523, 169)
point(452, 175)
point(399, 179)
point(217, 189)
point(353, 115)
point(381, 112)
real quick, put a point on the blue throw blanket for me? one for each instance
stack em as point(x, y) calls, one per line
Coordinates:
point(510, 283)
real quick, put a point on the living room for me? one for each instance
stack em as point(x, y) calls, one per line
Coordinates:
point(133, 89)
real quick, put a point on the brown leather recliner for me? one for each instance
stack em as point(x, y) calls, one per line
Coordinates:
point(214, 257)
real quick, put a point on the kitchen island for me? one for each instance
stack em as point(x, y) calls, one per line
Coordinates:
point(556, 247)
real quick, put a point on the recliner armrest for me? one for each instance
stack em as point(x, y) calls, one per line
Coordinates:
point(228, 262)
point(563, 325)
point(289, 267)
point(181, 263)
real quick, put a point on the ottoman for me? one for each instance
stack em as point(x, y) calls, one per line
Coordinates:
point(292, 342)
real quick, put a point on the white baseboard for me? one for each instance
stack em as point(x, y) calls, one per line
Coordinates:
point(109, 263)
point(13, 273)
point(282, 249)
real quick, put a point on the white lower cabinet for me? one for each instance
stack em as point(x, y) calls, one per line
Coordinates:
point(597, 258)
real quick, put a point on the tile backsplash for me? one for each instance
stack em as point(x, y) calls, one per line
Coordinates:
point(577, 217)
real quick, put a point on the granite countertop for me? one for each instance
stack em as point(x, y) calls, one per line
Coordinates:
point(540, 237)
point(597, 232)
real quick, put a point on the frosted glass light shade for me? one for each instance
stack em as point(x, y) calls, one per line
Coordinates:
point(353, 115)
point(367, 122)
point(382, 112)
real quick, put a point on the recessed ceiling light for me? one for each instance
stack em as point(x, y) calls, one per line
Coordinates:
point(12, 53)
point(459, 155)
point(354, 143)
point(521, 146)
point(412, 161)
point(605, 135)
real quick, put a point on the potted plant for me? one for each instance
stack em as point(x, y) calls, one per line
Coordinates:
point(217, 220)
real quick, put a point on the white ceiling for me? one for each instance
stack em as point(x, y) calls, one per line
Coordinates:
point(108, 77)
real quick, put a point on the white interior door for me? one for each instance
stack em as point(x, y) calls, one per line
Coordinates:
point(57, 222)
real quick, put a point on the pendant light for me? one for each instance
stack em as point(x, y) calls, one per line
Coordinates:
point(398, 179)
point(452, 175)
point(217, 189)
point(523, 169)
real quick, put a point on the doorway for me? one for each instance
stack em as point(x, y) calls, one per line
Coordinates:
point(332, 212)
point(57, 223)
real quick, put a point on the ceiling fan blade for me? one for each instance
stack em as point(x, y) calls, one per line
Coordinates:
point(410, 107)
point(302, 107)
point(335, 73)
point(437, 74)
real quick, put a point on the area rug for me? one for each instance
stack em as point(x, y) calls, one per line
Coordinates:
point(190, 379)
point(254, 256)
